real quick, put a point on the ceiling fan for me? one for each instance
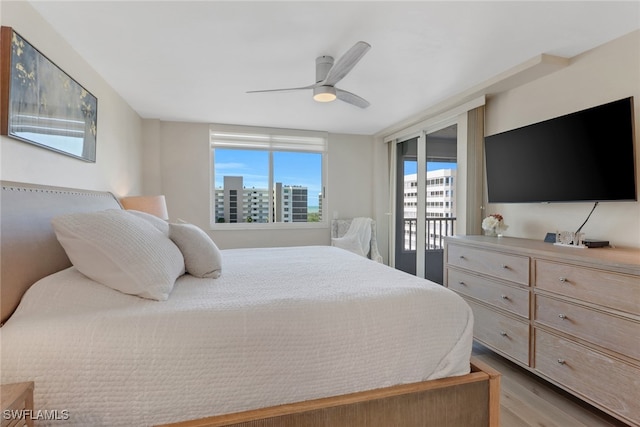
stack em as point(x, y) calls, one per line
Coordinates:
point(329, 73)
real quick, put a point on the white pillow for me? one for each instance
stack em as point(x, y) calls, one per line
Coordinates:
point(157, 222)
point(201, 255)
point(122, 251)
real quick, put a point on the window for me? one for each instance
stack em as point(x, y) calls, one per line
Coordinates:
point(277, 176)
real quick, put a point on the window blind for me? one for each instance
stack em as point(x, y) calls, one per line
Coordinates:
point(268, 139)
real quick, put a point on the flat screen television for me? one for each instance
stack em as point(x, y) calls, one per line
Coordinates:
point(579, 157)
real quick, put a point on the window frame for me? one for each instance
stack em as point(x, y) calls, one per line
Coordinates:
point(270, 140)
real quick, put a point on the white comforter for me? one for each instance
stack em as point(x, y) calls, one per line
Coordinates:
point(280, 325)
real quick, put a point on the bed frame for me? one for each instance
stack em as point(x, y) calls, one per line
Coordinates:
point(30, 251)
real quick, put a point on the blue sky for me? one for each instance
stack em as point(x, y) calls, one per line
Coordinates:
point(412, 167)
point(289, 168)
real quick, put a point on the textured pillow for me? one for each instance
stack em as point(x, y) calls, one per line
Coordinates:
point(201, 255)
point(122, 251)
point(158, 223)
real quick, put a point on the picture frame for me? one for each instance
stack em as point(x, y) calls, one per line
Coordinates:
point(42, 104)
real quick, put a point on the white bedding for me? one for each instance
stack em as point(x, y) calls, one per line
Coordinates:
point(280, 325)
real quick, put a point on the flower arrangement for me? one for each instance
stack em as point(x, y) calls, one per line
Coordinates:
point(494, 225)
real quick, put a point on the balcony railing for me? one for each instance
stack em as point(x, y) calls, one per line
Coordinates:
point(436, 230)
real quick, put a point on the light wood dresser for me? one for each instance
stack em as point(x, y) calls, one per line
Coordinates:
point(570, 315)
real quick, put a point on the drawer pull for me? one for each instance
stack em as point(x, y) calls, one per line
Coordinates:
point(503, 333)
point(505, 266)
point(563, 279)
point(462, 283)
point(504, 297)
point(462, 257)
point(562, 316)
point(561, 361)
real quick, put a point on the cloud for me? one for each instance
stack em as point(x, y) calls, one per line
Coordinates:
point(230, 165)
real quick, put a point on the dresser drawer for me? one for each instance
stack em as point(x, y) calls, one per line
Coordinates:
point(503, 333)
point(509, 298)
point(513, 268)
point(605, 381)
point(609, 289)
point(615, 333)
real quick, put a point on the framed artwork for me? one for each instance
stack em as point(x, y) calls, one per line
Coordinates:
point(43, 105)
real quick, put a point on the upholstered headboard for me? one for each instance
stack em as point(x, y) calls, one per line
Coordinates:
point(29, 249)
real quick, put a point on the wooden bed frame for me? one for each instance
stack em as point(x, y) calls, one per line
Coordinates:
point(30, 251)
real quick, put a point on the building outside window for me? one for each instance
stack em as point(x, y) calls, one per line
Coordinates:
point(277, 176)
point(440, 191)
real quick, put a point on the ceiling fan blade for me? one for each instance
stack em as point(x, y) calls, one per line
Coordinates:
point(351, 98)
point(346, 62)
point(285, 89)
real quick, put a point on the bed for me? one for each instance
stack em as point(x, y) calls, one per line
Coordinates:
point(313, 336)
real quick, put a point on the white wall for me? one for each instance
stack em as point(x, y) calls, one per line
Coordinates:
point(604, 74)
point(118, 157)
point(177, 162)
point(152, 157)
point(381, 196)
point(351, 183)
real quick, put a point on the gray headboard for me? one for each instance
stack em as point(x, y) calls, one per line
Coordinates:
point(29, 249)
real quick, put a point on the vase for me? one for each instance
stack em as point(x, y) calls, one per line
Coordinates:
point(491, 232)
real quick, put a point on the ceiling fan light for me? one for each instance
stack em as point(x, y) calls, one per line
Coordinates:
point(324, 94)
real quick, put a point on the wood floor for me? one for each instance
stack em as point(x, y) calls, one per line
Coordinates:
point(527, 400)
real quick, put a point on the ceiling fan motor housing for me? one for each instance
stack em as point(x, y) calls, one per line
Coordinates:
point(323, 65)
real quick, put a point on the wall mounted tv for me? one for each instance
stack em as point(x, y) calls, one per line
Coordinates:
point(579, 157)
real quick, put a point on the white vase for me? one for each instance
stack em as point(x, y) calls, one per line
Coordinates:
point(496, 231)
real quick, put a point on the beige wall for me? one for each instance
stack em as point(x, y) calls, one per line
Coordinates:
point(604, 74)
point(137, 156)
point(118, 156)
point(177, 162)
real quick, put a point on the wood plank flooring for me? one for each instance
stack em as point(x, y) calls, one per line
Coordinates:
point(527, 400)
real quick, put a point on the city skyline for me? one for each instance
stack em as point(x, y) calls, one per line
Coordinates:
point(289, 168)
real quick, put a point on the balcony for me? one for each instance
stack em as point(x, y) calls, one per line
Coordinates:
point(436, 230)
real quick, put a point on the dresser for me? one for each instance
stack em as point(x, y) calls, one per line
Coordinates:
point(570, 315)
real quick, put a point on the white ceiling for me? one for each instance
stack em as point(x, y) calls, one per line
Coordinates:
point(194, 60)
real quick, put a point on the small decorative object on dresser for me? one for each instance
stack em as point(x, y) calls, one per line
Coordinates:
point(17, 404)
point(571, 317)
point(494, 225)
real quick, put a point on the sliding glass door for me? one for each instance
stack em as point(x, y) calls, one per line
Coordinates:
point(425, 201)
point(440, 192)
point(437, 189)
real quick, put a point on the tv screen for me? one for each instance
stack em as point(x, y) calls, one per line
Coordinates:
point(583, 156)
